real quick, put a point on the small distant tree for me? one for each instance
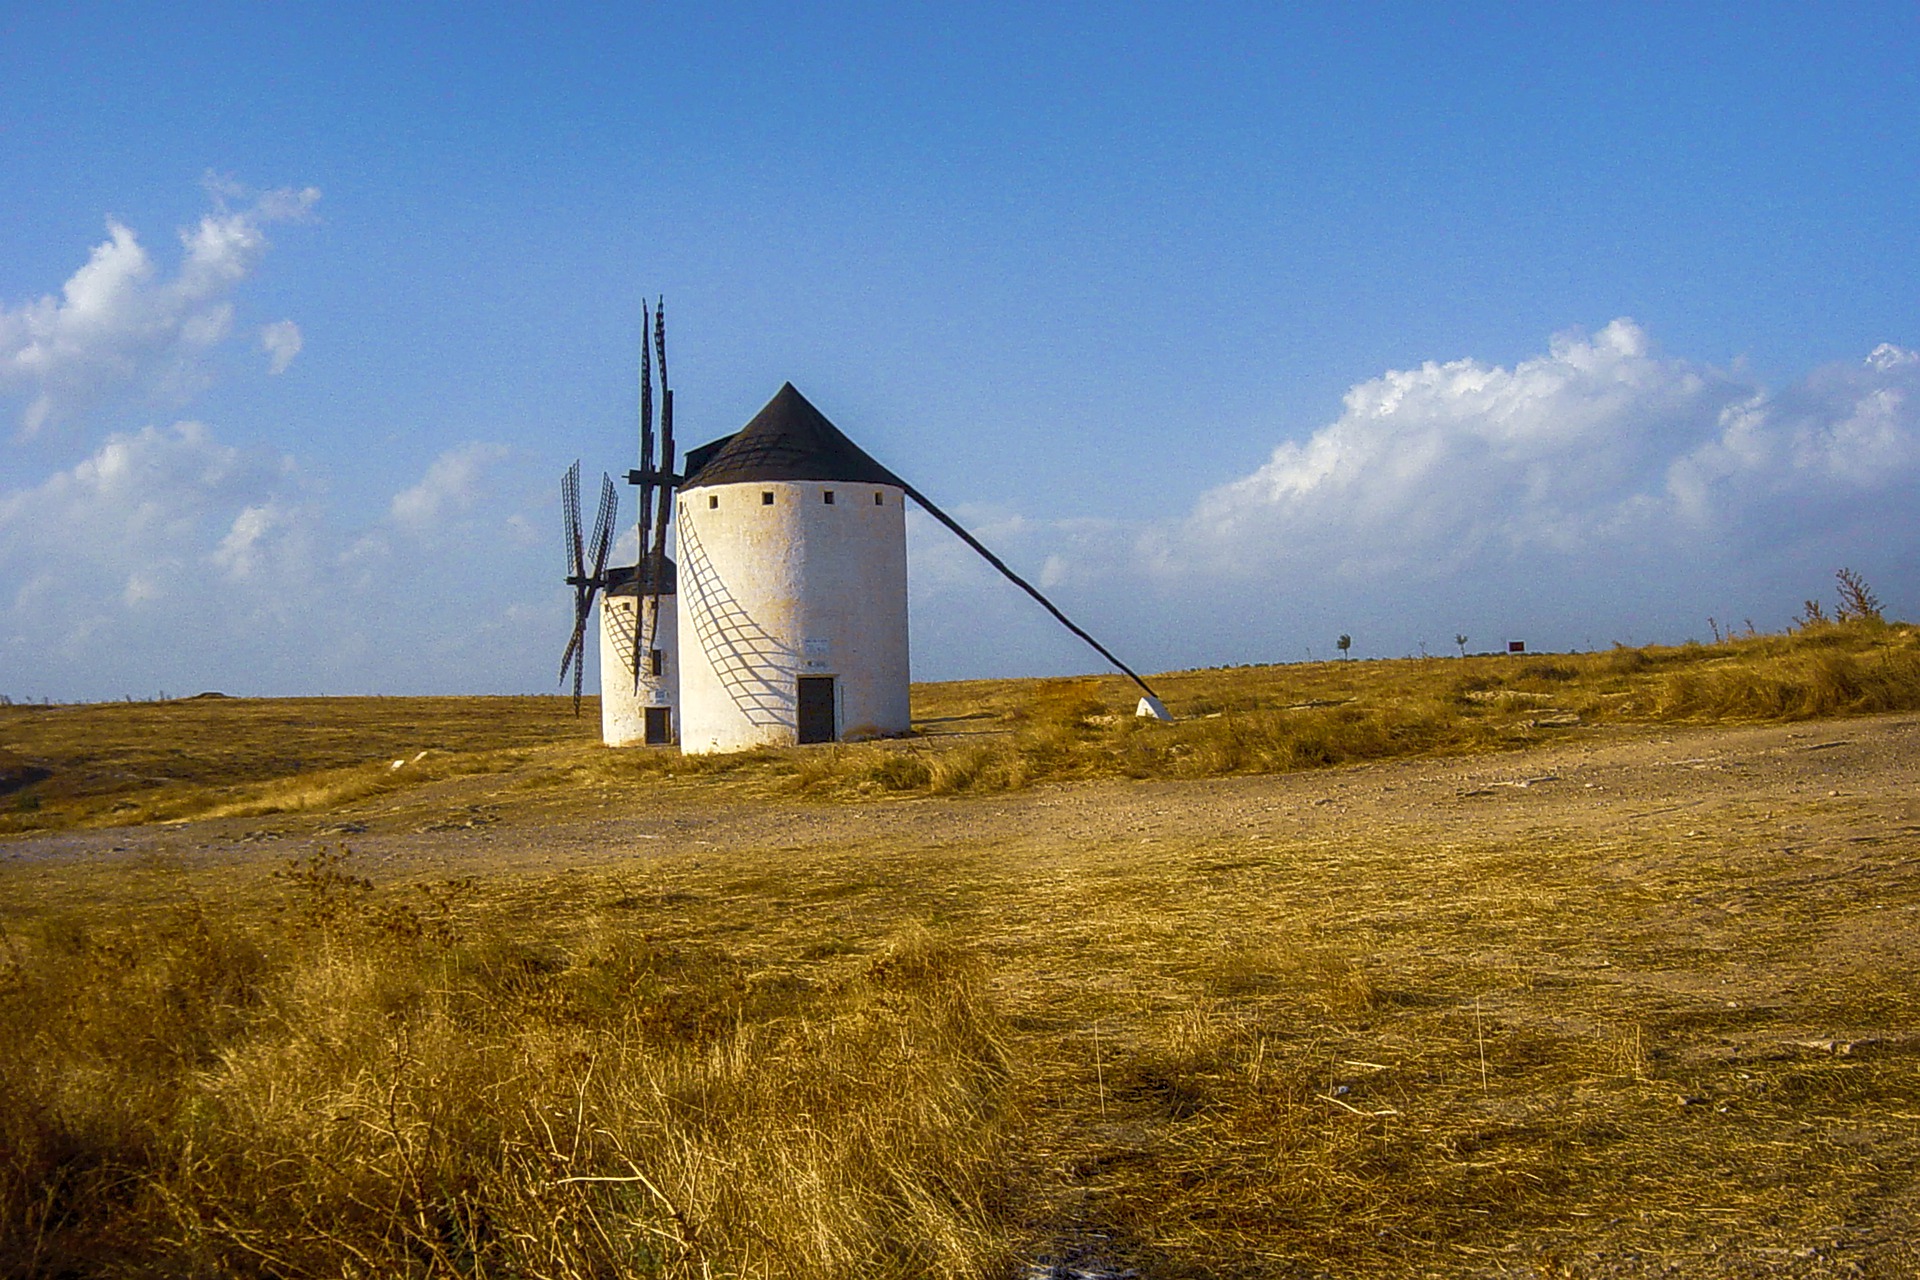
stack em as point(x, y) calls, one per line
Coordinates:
point(1343, 644)
point(1462, 642)
point(1857, 601)
point(1812, 615)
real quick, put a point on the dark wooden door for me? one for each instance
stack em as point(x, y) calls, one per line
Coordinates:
point(659, 725)
point(816, 709)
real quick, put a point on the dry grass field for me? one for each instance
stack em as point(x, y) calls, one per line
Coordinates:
point(1569, 965)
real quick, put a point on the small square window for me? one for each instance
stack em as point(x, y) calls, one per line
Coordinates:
point(828, 495)
point(879, 500)
point(766, 499)
point(713, 501)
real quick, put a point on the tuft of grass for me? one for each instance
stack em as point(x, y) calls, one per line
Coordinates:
point(1796, 685)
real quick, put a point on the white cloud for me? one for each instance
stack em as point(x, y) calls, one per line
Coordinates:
point(245, 551)
point(451, 487)
point(121, 544)
point(1434, 468)
point(169, 559)
point(1598, 491)
point(281, 341)
point(118, 325)
point(1596, 448)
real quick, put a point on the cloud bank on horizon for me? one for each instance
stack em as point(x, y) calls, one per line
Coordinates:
point(1597, 492)
point(1598, 443)
point(1595, 482)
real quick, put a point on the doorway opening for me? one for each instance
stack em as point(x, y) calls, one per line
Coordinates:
point(816, 709)
point(659, 731)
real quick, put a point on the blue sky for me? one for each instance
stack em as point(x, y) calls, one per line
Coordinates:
point(1239, 328)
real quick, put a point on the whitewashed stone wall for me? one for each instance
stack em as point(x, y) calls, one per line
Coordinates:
point(774, 590)
point(623, 719)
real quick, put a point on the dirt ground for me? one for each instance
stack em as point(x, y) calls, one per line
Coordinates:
point(1819, 789)
point(1746, 882)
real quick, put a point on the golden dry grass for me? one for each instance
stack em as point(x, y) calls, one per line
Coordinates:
point(1483, 1048)
point(127, 763)
point(131, 762)
point(350, 1084)
point(1519, 1041)
point(1003, 735)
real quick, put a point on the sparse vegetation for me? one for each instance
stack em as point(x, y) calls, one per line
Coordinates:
point(1858, 603)
point(1277, 719)
point(114, 763)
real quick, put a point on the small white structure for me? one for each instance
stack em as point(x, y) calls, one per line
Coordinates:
point(642, 710)
point(792, 596)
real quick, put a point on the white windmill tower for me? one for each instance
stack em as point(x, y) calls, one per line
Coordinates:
point(793, 600)
point(786, 619)
point(639, 665)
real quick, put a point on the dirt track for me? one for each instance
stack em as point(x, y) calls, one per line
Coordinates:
point(1819, 788)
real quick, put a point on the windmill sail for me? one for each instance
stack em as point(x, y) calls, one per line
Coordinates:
point(575, 553)
point(585, 578)
point(642, 628)
point(654, 564)
point(646, 424)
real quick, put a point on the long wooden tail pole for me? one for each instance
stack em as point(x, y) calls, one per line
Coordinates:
point(1023, 584)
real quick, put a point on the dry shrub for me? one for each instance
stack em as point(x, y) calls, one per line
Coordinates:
point(1624, 660)
point(958, 768)
point(1066, 735)
point(900, 771)
point(866, 769)
point(1287, 739)
point(1055, 706)
point(337, 1096)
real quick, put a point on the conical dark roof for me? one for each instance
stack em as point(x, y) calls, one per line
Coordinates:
point(789, 440)
point(634, 579)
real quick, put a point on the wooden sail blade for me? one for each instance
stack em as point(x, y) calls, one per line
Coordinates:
point(575, 643)
point(570, 515)
point(646, 423)
point(603, 522)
